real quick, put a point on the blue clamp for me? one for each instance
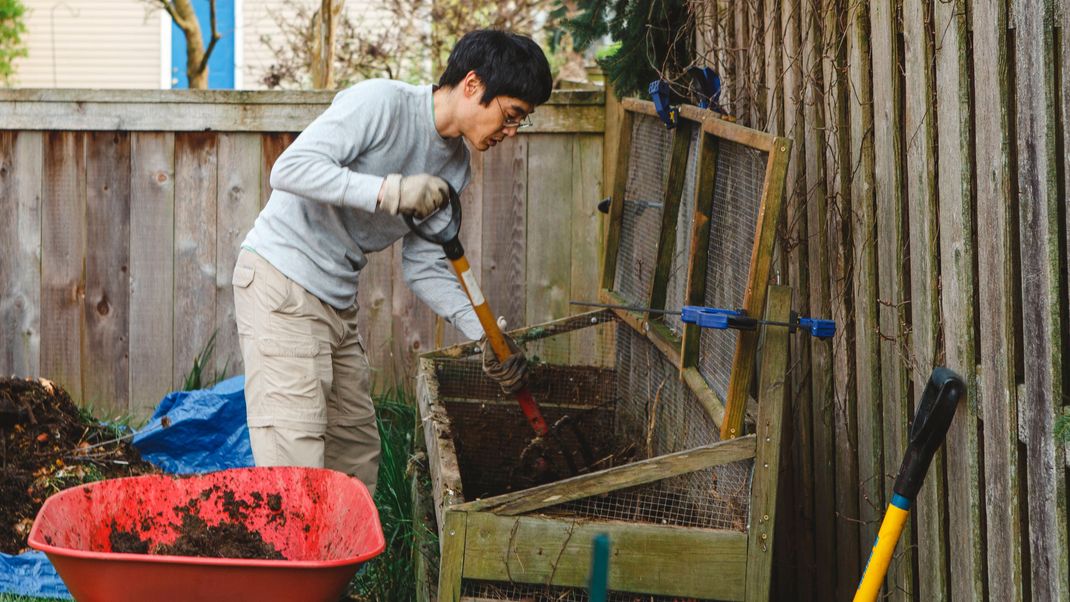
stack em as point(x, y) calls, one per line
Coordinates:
point(659, 93)
point(822, 329)
point(707, 86)
point(721, 319)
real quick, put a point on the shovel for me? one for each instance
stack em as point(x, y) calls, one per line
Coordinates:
point(535, 454)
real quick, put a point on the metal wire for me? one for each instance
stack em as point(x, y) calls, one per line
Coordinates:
point(628, 402)
point(737, 198)
point(644, 194)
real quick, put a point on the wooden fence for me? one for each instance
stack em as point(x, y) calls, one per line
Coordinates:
point(122, 213)
point(928, 215)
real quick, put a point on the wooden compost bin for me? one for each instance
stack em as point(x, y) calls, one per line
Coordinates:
point(670, 467)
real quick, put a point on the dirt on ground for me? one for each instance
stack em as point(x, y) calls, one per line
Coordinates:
point(47, 445)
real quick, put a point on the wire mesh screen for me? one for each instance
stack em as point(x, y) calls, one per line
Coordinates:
point(644, 193)
point(658, 414)
point(492, 590)
point(677, 286)
point(737, 198)
point(616, 400)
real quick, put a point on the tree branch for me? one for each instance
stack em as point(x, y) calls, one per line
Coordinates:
point(215, 38)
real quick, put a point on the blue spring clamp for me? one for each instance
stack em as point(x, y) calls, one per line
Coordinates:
point(721, 319)
point(659, 93)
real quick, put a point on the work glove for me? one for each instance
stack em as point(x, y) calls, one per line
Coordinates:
point(511, 375)
point(418, 195)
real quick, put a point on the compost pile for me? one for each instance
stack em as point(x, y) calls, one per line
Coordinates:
point(46, 445)
point(227, 539)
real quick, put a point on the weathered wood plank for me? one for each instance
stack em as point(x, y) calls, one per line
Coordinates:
point(412, 322)
point(864, 293)
point(619, 188)
point(918, 112)
point(647, 558)
point(196, 156)
point(152, 235)
point(958, 282)
point(505, 228)
point(670, 213)
point(20, 247)
point(617, 478)
point(237, 205)
point(844, 400)
point(63, 240)
point(1042, 323)
point(452, 552)
point(761, 263)
point(446, 486)
point(374, 298)
point(271, 145)
point(893, 270)
point(106, 353)
point(230, 111)
point(587, 237)
point(768, 434)
point(698, 254)
point(821, 392)
point(804, 558)
point(995, 221)
point(550, 173)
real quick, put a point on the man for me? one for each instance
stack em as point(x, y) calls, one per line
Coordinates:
point(382, 150)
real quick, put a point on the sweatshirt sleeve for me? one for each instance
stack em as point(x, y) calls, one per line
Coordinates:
point(315, 166)
point(427, 273)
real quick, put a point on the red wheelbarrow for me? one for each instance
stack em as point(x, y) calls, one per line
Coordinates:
point(322, 522)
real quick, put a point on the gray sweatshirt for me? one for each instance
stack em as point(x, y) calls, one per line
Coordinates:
point(321, 220)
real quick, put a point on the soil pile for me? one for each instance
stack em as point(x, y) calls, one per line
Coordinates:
point(227, 539)
point(47, 445)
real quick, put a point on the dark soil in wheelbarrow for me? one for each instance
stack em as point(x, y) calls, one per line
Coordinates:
point(46, 445)
point(227, 539)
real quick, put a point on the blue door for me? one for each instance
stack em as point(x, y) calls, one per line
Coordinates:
point(221, 63)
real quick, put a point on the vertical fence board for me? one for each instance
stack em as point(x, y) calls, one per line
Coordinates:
point(237, 205)
point(774, 67)
point(271, 146)
point(996, 300)
point(1041, 323)
point(63, 259)
point(196, 158)
point(152, 233)
point(20, 252)
point(106, 352)
point(957, 286)
point(838, 223)
point(505, 227)
point(1063, 48)
point(815, 208)
point(892, 273)
point(412, 321)
point(374, 297)
point(864, 259)
point(802, 539)
point(550, 176)
point(924, 272)
point(586, 235)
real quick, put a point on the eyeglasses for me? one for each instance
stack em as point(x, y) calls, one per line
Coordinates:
point(509, 122)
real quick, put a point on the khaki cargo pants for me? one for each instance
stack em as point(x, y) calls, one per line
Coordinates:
point(307, 379)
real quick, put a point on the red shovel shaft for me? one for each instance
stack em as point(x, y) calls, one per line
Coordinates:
point(497, 340)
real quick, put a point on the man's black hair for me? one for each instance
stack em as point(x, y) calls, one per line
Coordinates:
point(509, 64)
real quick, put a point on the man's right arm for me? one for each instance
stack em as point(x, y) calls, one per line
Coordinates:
point(315, 166)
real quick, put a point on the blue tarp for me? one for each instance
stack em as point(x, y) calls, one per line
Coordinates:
point(205, 431)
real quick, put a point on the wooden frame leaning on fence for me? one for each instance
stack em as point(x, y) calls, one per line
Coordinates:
point(727, 413)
